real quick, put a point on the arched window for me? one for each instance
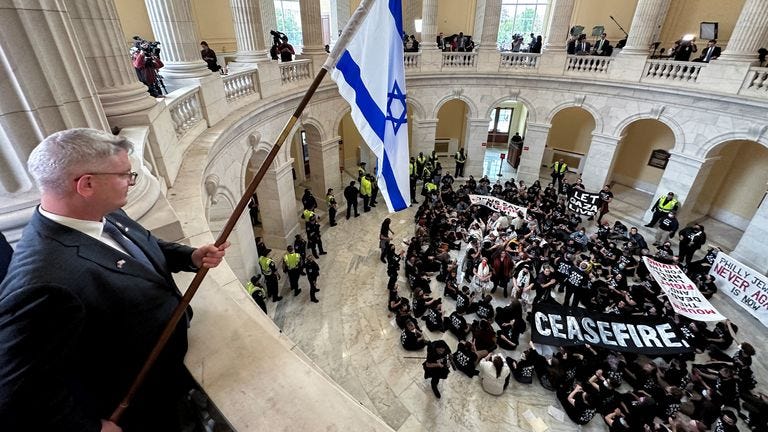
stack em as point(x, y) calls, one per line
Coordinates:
point(288, 16)
point(522, 17)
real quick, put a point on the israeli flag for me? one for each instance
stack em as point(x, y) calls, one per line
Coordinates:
point(371, 76)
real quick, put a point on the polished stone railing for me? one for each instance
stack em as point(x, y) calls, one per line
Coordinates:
point(412, 60)
point(588, 64)
point(185, 107)
point(756, 83)
point(512, 60)
point(670, 70)
point(298, 70)
point(459, 60)
point(240, 84)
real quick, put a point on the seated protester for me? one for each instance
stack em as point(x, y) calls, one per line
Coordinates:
point(640, 408)
point(726, 422)
point(580, 237)
point(463, 300)
point(629, 262)
point(577, 404)
point(494, 374)
point(403, 315)
point(665, 254)
point(411, 338)
point(603, 232)
point(703, 265)
point(451, 287)
point(706, 284)
point(618, 231)
point(483, 308)
point(508, 336)
point(433, 318)
point(483, 337)
point(757, 411)
point(669, 405)
point(456, 324)
point(723, 384)
point(465, 358)
point(722, 335)
point(616, 421)
point(637, 240)
point(421, 303)
point(574, 220)
point(505, 314)
point(523, 369)
point(603, 392)
point(395, 301)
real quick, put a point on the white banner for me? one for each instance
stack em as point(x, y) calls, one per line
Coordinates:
point(744, 285)
point(685, 297)
point(497, 204)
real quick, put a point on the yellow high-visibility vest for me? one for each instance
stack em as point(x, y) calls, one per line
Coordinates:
point(559, 168)
point(307, 214)
point(266, 265)
point(365, 186)
point(430, 186)
point(292, 260)
point(667, 206)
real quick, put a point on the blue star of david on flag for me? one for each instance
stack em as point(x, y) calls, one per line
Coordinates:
point(399, 116)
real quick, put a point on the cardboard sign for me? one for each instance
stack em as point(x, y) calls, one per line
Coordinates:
point(745, 286)
point(685, 297)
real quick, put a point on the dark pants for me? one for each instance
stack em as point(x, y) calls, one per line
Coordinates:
point(459, 169)
point(312, 289)
point(314, 245)
point(259, 301)
point(413, 190)
point(657, 215)
point(571, 294)
point(332, 216)
point(366, 203)
point(686, 253)
point(350, 205)
point(293, 279)
point(271, 282)
point(557, 178)
point(374, 194)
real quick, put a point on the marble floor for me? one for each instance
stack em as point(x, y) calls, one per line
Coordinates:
point(351, 336)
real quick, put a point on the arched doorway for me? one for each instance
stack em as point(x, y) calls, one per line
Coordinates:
point(451, 131)
point(507, 119)
point(639, 162)
point(569, 138)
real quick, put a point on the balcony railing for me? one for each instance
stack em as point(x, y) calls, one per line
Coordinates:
point(412, 60)
point(459, 60)
point(511, 60)
point(241, 84)
point(185, 108)
point(298, 70)
point(756, 83)
point(670, 70)
point(588, 64)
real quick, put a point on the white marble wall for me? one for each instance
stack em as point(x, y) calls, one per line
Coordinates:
point(533, 152)
point(599, 162)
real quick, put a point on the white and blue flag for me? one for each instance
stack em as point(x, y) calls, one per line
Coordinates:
point(371, 76)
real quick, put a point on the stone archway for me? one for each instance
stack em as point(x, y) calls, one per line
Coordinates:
point(639, 140)
point(570, 137)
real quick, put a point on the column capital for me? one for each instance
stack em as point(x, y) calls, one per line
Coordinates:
point(559, 24)
point(425, 123)
point(606, 139)
point(688, 160)
point(537, 127)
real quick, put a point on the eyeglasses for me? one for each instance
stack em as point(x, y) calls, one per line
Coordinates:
point(132, 176)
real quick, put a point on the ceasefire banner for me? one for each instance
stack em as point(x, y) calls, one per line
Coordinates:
point(564, 326)
point(685, 297)
point(583, 203)
point(745, 286)
point(497, 204)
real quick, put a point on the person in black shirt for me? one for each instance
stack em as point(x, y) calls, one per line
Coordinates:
point(575, 285)
point(545, 281)
point(465, 359)
point(456, 324)
point(606, 196)
point(692, 239)
point(314, 238)
point(350, 194)
point(411, 337)
point(436, 365)
point(313, 272)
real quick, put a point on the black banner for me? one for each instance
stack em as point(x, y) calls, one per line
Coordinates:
point(564, 326)
point(583, 203)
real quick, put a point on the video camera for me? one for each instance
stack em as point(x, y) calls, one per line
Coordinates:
point(277, 36)
point(150, 48)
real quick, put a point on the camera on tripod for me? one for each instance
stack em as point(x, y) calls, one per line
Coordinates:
point(150, 48)
point(277, 37)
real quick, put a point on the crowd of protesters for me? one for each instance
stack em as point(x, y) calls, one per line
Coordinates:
point(493, 267)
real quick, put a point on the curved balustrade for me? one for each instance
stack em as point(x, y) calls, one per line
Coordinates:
point(295, 71)
point(459, 60)
point(241, 84)
point(185, 107)
point(412, 60)
point(510, 60)
point(755, 84)
point(589, 64)
point(670, 70)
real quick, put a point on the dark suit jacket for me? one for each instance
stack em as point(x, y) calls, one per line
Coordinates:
point(715, 53)
point(607, 48)
point(77, 320)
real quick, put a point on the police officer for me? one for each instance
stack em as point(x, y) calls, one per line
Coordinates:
point(314, 238)
point(330, 201)
point(413, 177)
point(461, 159)
point(350, 194)
point(421, 160)
point(257, 292)
point(269, 270)
point(665, 204)
point(292, 266)
point(559, 169)
point(313, 272)
point(365, 192)
point(360, 171)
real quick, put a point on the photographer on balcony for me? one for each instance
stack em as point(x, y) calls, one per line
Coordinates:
point(684, 48)
point(145, 57)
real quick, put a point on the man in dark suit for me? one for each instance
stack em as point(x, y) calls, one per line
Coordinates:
point(87, 294)
point(711, 52)
point(582, 46)
point(603, 46)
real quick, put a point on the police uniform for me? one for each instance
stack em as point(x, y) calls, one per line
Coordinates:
point(461, 159)
point(269, 270)
point(292, 266)
point(558, 172)
point(330, 201)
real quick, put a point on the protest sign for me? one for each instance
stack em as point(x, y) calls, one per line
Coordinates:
point(584, 203)
point(497, 204)
point(745, 286)
point(685, 297)
point(564, 326)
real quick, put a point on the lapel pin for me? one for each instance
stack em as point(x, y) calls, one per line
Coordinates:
point(120, 263)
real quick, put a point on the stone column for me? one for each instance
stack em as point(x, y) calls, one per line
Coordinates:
point(559, 25)
point(649, 15)
point(533, 152)
point(252, 46)
point(488, 54)
point(431, 57)
point(423, 136)
point(174, 27)
point(312, 29)
point(324, 167)
point(45, 89)
point(339, 16)
point(411, 12)
point(751, 248)
point(100, 38)
point(475, 138)
point(749, 34)
point(277, 205)
point(553, 62)
point(599, 161)
point(685, 176)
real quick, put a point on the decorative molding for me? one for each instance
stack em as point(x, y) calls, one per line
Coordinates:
point(579, 99)
point(657, 111)
point(212, 187)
